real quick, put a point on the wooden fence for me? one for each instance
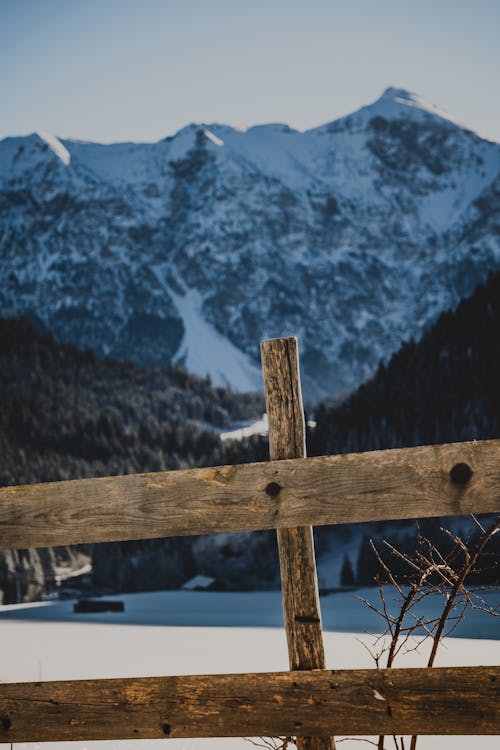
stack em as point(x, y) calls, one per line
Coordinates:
point(291, 493)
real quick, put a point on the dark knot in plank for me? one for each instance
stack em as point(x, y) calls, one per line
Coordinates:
point(461, 474)
point(6, 723)
point(166, 729)
point(273, 489)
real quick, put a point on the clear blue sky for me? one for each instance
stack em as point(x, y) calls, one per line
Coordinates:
point(141, 69)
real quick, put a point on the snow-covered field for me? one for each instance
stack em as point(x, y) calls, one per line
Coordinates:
point(246, 429)
point(174, 632)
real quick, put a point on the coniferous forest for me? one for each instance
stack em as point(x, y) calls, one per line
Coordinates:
point(444, 388)
point(66, 413)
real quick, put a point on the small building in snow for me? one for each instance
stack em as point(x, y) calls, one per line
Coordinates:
point(198, 583)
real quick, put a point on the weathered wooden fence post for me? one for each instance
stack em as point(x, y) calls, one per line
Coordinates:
point(287, 439)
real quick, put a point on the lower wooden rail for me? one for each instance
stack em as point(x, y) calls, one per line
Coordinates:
point(452, 700)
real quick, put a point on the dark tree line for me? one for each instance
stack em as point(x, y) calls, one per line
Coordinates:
point(441, 389)
point(66, 414)
point(444, 388)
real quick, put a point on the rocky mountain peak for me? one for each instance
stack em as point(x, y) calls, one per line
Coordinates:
point(55, 146)
point(353, 236)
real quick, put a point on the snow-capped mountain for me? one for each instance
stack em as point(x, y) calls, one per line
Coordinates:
point(354, 236)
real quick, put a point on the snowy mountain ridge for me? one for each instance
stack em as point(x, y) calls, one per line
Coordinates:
point(354, 236)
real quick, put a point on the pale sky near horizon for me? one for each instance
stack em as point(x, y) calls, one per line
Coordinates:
point(111, 70)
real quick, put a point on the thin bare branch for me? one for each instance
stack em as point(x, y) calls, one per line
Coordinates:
point(357, 739)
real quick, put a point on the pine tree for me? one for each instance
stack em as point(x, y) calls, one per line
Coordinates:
point(346, 573)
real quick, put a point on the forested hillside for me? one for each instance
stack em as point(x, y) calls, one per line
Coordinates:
point(354, 235)
point(67, 414)
point(444, 388)
point(441, 389)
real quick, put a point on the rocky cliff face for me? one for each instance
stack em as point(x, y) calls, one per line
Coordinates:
point(354, 236)
point(25, 574)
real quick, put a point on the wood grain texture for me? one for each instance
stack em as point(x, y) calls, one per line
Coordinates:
point(299, 581)
point(380, 485)
point(301, 607)
point(453, 700)
point(285, 412)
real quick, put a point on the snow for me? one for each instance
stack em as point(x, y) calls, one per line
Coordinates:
point(21, 154)
point(213, 138)
point(405, 98)
point(205, 351)
point(273, 150)
point(8, 149)
point(259, 427)
point(56, 146)
point(183, 141)
point(441, 209)
point(50, 642)
point(392, 104)
point(121, 163)
point(63, 573)
point(198, 582)
point(355, 247)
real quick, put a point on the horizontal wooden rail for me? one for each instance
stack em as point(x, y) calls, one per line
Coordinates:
point(435, 480)
point(453, 700)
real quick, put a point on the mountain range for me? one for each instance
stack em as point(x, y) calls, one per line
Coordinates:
point(66, 414)
point(354, 236)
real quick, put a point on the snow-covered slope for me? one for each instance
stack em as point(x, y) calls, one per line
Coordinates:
point(50, 643)
point(353, 235)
